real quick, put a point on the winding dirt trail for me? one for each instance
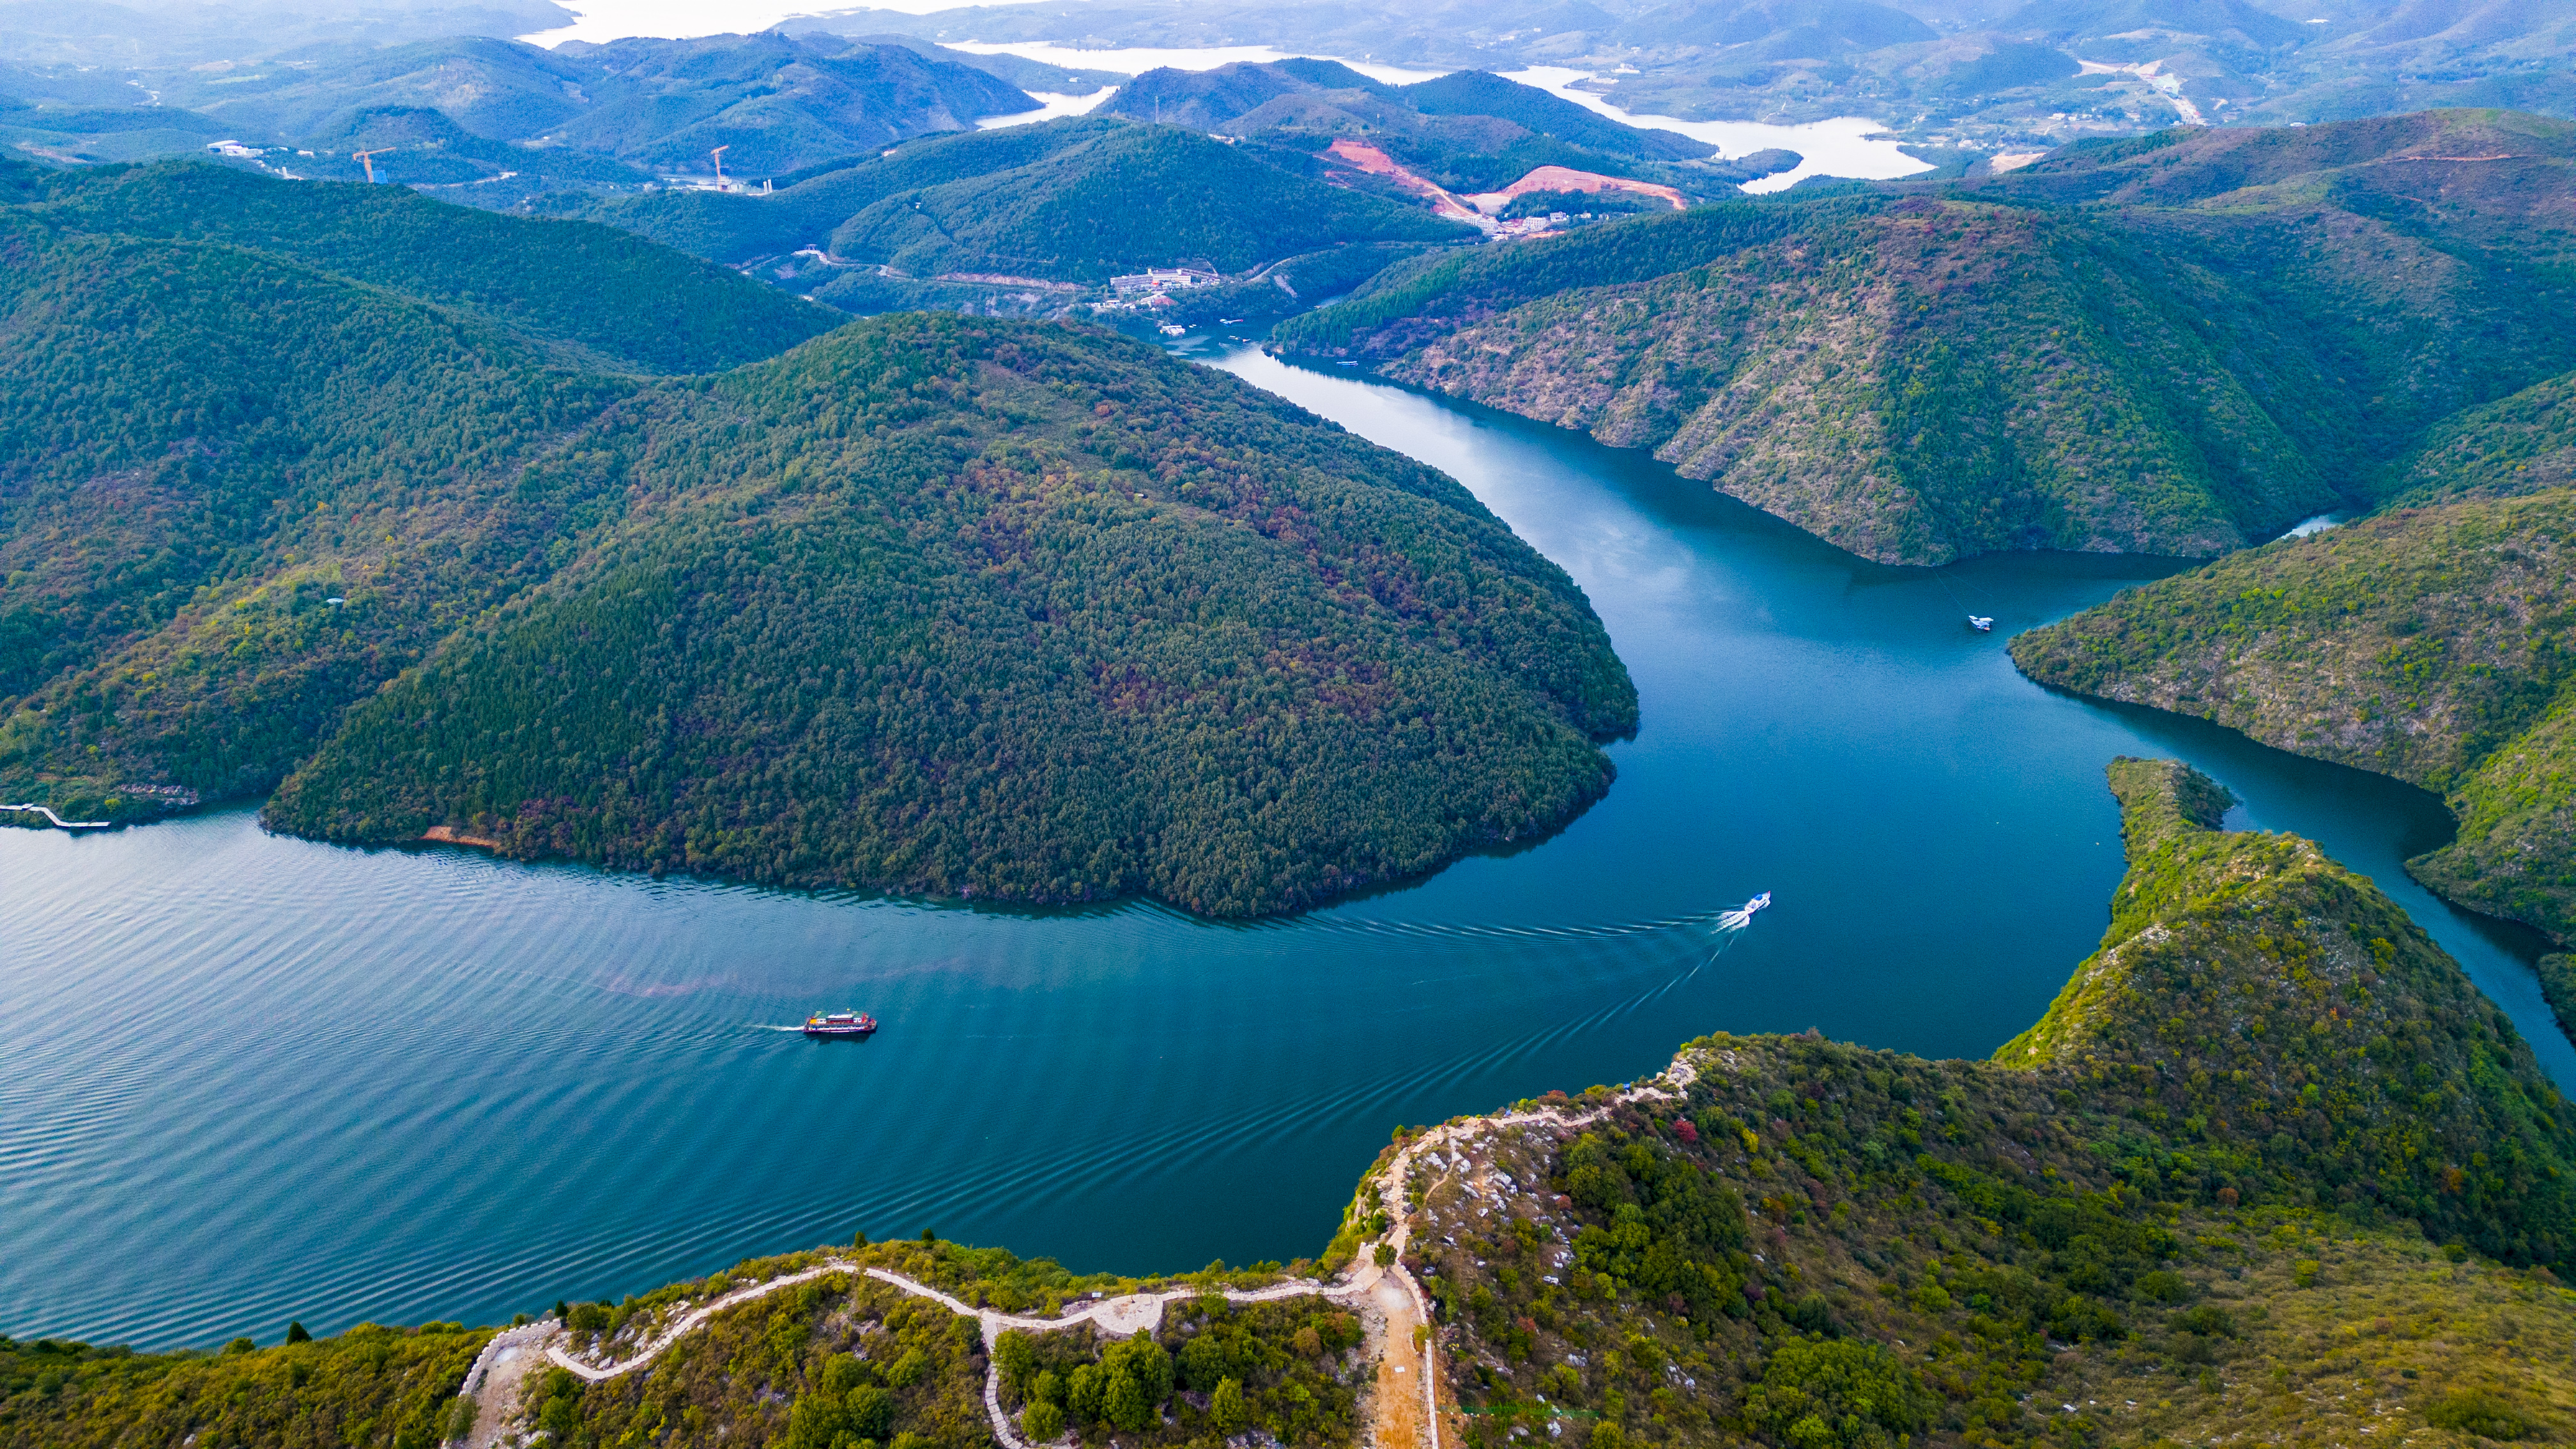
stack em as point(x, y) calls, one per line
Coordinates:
point(1407, 1357)
point(1402, 1364)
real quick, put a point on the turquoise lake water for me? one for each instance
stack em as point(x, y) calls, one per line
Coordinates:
point(252, 1079)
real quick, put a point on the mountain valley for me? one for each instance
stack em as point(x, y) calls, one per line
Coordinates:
point(2180, 345)
point(530, 565)
point(1085, 565)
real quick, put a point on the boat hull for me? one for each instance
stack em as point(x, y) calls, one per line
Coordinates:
point(828, 1033)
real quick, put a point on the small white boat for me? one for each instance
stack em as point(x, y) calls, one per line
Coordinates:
point(1742, 916)
point(1980, 623)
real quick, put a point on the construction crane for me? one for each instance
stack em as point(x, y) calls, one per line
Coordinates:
point(368, 160)
point(718, 153)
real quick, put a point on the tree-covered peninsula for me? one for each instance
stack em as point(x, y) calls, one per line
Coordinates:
point(446, 519)
point(1009, 611)
point(2177, 344)
point(2269, 1170)
point(2428, 644)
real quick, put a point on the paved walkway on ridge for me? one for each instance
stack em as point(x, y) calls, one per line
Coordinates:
point(1392, 1290)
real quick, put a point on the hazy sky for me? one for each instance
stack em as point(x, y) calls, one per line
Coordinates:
point(679, 19)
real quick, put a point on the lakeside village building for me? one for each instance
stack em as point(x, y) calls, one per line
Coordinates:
point(1153, 286)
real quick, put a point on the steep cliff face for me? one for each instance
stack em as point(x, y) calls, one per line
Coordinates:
point(2427, 644)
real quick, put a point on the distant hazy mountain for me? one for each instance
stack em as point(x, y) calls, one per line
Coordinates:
point(1075, 200)
point(1961, 78)
point(1240, 99)
point(1997, 74)
point(42, 41)
point(2175, 344)
point(1028, 75)
point(596, 114)
point(778, 102)
point(1468, 131)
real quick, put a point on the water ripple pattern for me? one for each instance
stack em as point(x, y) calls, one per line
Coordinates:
point(253, 1079)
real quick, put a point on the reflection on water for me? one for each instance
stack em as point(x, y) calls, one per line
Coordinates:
point(253, 1078)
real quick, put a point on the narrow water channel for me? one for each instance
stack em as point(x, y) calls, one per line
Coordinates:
point(254, 1079)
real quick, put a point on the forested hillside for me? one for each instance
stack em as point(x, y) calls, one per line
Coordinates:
point(372, 1386)
point(2245, 1179)
point(964, 610)
point(2429, 644)
point(2269, 1169)
point(201, 425)
point(1468, 131)
point(2178, 345)
point(1968, 77)
point(555, 283)
point(1076, 200)
point(1123, 199)
point(777, 102)
point(2519, 444)
point(483, 120)
point(1130, 627)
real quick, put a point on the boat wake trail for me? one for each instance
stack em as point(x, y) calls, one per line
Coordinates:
point(1734, 920)
point(1742, 916)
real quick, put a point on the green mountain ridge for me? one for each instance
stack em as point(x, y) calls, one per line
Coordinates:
point(1071, 216)
point(1982, 77)
point(776, 101)
point(2270, 1167)
point(443, 159)
point(1139, 630)
point(1075, 200)
point(2180, 344)
point(1468, 131)
point(540, 277)
point(1223, 168)
point(329, 486)
point(583, 117)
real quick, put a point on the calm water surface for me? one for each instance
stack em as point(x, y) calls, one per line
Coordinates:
point(251, 1078)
